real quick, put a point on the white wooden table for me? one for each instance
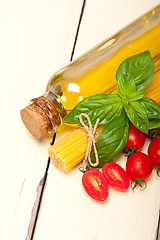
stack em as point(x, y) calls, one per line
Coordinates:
point(36, 39)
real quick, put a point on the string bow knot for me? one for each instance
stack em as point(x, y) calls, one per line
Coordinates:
point(92, 139)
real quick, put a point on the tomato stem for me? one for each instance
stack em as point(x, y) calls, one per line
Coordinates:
point(140, 182)
point(154, 132)
point(158, 171)
point(130, 151)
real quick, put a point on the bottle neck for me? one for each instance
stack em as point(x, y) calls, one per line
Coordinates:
point(52, 107)
point(56, 103)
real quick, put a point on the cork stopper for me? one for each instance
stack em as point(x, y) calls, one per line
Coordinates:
point(40, 117)
point(36, 120)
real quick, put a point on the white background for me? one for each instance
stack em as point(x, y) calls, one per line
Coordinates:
point(36, 39)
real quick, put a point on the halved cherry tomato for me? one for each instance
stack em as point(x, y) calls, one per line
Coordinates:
point(154, 152)
point(136, 138)
point(115, 175)
point(95, 184)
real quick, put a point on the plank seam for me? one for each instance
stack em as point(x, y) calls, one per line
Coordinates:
point(38, 201)
point(158, 228)
point(78, 28)
point(42, 183)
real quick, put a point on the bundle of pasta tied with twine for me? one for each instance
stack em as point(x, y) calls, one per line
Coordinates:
point(76, 146)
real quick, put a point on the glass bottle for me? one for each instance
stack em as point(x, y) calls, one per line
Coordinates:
point(93, 72)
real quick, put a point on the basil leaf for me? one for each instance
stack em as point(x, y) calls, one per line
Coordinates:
point(140, 66)
point(151, 107)
point(102, 106)
point(112, 140)
point(136, 95)
point(137, 115)
point(126, 85)
point(154, 123)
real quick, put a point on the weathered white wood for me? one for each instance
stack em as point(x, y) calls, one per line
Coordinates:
point(36, 39)
point(67, 212)
point(103, 18)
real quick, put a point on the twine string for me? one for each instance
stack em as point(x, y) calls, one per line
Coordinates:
point(92, 139)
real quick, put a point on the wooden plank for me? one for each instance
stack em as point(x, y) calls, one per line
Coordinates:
point(36, 40)
point(67, 212)
point(158, 228)
point(103, 19)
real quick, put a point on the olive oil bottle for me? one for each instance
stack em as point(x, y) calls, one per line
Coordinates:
point(93, 72)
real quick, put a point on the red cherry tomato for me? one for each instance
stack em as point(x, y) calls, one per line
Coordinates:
point(136, 138)
point(115, 175)
point(95, 184)
point(138, 166)
point(154, 152)
point(154, 133)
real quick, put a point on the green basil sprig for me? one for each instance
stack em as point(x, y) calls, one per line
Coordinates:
point(126, 85)
point(133, 75)
point(154, 123)
point(102, 106)
point(152, 108)
point(140, 66)
point(136, 95)
point(112, 140)
point(137, 115)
